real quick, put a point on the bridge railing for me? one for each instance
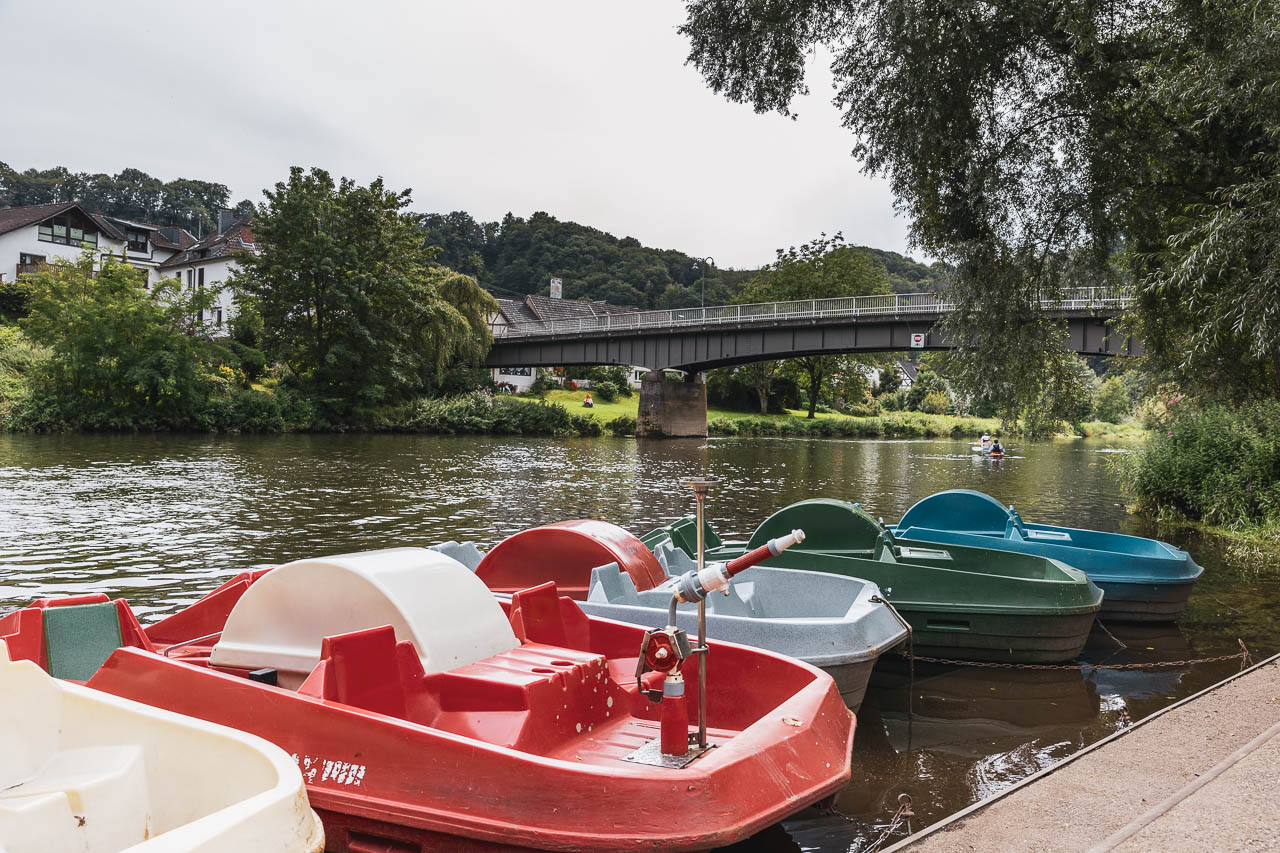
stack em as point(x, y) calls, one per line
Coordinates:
point(892, 304)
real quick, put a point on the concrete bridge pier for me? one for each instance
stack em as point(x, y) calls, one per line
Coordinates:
point(672, 408)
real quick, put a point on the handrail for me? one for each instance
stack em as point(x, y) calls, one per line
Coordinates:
point(892, 304)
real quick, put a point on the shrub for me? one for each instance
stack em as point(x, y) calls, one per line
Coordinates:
point(892, 401)
point(606, 391)
point(936, 403)
point(624, 425)
point(1220, 465)
point(481, 412)
point(13, 298)
point(1111, 404)
point(245, 411)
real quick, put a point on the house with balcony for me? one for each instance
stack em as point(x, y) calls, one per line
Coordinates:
point(34, 236)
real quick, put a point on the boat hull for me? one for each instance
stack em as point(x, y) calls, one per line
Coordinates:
point(955, 633)
point(1144, 602)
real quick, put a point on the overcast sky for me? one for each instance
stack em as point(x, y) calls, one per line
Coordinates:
point(583, 109)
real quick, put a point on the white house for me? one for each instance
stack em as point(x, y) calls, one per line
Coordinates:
point(35, 235)
point(208, 265)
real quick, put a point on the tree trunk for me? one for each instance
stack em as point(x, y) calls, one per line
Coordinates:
point(815, 385)
point(763, 391)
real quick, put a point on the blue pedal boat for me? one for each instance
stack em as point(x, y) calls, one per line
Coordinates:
point(1144, 580)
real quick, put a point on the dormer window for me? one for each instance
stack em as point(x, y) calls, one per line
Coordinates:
point(60, 230)
point(137, 240)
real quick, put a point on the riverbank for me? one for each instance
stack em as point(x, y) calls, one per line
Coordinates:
point(1203, 775)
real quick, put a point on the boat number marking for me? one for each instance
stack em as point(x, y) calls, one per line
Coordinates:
point(341, 772)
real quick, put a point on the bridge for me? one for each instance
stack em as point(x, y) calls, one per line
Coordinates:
point(693, 340)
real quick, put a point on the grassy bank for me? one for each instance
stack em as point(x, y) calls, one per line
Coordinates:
point(1218, 467)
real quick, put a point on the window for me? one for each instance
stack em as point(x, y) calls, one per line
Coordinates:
point(201, 278)
point(219, 314)
point(24, 258)
point(191, 279)
point(137, 240)
point(59, 230)
point(515, 371)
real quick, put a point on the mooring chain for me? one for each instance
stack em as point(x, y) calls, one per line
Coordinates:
point(903, 812)
point(1242, 656)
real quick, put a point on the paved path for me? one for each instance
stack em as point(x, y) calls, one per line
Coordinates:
point(1107, 799)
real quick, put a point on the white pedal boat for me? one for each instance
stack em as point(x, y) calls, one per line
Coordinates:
point(85, 771)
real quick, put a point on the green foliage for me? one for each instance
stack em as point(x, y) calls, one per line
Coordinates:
point(1038, 146)
point(351, 300)
point(623, 425)
point(737, 388)
point(897, 424)
point(520, 255)
point(1111, 404)
point(13, 298)
point(131, 193)
point(484, 413)
point(1220, 465)
point(244, 410)
point(606, 391)
point(936, 403)
point(120, 356)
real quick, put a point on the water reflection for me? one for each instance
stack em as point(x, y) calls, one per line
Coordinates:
point(161, 519)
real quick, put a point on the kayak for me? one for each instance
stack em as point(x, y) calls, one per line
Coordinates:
point(838, 624)
point(84, 770)
point(962, 602)
point(425, 714)
point(1145, 580)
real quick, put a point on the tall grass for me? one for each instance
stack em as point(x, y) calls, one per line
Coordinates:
point(1220, 466)
point(889, 424)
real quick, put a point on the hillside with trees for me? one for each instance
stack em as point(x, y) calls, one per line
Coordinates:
point(518, 256)
point(130, 194)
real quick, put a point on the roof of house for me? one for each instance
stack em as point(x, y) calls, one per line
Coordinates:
point(535, 309)
point(237, 238)
point(13, 218)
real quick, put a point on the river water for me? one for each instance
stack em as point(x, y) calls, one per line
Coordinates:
point(162, 519)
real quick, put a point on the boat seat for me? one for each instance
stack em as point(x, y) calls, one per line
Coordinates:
point(428, 599)
point(362, 669)
point(540, 615)
point(90, 798)
point(464, 552)
point(80, 637)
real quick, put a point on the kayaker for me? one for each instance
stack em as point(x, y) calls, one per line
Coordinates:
point(587, 402)
point(986, 441)
point(996, 446)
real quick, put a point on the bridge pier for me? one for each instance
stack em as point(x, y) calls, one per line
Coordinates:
point(672, 408)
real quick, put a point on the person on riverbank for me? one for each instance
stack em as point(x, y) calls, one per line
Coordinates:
point(587, 402)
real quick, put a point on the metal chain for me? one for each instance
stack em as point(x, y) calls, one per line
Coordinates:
point(903, 812)
point(1243, 656)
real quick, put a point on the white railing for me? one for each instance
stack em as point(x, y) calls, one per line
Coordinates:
point(1079, 299)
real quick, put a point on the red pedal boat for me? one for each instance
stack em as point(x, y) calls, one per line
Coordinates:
point(426, 715)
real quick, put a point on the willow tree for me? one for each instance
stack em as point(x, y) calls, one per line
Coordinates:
point(1038, 146)
point(352, 300)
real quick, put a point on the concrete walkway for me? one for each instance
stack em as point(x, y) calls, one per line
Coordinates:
point(1203, 776)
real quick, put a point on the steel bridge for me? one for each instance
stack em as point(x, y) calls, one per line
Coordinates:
point(696, 339)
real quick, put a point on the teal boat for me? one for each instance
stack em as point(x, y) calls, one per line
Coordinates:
point(1145, 580)
point(962, 602)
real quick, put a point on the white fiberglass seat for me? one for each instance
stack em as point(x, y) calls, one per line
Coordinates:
point(430, 599)
point(87, 771)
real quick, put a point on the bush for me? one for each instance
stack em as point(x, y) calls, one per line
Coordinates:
point(1111, 403)
point(892, 401)
point(13, 298)
point(1220, 466)
point(481, 412)
point(623, 425)
point(606, 391)
point(936, 403)
point(245, 411)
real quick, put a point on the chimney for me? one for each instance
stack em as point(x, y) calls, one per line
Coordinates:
point(226, 218)
point(557, 288)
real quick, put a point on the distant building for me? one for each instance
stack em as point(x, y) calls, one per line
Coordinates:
point(37, 235)
point(208, 265)
point(534, 309)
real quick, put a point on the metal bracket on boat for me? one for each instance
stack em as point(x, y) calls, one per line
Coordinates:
point(651, 754)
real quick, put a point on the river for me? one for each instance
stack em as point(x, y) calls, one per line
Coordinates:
point(162, 519)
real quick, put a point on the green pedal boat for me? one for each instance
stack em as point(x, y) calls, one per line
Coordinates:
point(962, 602)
